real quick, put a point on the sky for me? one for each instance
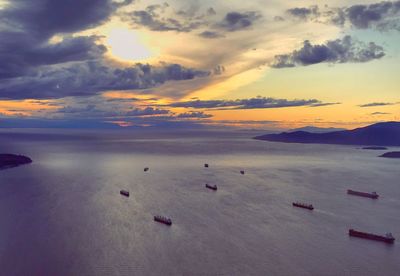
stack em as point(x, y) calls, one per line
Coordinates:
point(253, 64)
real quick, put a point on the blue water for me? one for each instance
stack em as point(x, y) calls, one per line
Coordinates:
point(63, 214)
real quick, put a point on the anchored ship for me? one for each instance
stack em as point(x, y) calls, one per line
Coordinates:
point(373, 195)
point(162, 219)
point(124, 193)
point(242, 172)
point(212, 187)
point(205, 165)
point(303, 205)
point(146, 169)
point(388, 238)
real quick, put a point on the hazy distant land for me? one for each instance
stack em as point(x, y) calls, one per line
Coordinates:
point(374, 148)
point(380, 134)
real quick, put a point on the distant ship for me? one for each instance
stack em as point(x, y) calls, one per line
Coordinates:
point(205, 165)
point(242, 172)
point(373, 195)
point(212, 187)
point(388, 238)
point(146, 169)
point(303, 205)
point(162, 219)
point(124, 193)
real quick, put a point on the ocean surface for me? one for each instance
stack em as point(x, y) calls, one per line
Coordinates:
point(63, 214)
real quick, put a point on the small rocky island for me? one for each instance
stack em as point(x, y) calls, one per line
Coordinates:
point(11, 160)
point(391, 154)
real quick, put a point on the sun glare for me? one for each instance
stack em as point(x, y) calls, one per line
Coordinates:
point(127, 45)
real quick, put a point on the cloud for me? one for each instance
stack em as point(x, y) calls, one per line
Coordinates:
point(28, 25)
point(44, 18)
point(383, 16)
point(379, 113)
point(252, 103)
point(342, 50)
point(364, 16)
point(196, 114)
point(20, 53)
point(323, 104)
point(211, 34)
point(376, 104)
point(146, 19)
point(236, 21)
point(92, 77)
point(148, 111)
point(158, 18)
point(304, 13)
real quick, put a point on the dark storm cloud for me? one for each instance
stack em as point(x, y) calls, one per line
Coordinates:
point(27, 25)
point(252, 103)
point(236, 21)
point(382, 16)
point(18, 54)
point(323, 104)
point(90, 78)
point(376, 104)
point(342, 50)
point(44, 18)
point(363, 16)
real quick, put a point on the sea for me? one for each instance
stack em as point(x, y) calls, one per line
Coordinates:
point(64, 215)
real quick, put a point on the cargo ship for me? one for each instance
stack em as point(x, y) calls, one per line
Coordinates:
point(162, 219)
point(124, 193)
point(373, 195)
point(303, 205)
point(212, 187)
point(388, 238)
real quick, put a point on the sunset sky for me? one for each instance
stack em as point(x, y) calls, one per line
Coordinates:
point(187, 63)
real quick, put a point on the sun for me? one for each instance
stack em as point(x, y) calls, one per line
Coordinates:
point(127, 45)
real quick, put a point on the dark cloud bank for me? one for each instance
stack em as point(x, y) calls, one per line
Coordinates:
point(92, 77)
point(34, 68)
point(252, 103)
point(342, 50)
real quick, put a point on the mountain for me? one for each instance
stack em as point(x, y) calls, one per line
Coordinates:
point(380, 134)
point(314, 129)
point(391, 154)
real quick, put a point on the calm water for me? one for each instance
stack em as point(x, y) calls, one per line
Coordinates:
point(63, 214)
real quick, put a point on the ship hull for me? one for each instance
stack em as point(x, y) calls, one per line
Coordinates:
point(214, 188)
point(124, 193)
point(369, 236)
point(309, 207)
point(362, 194)
point(166, 222)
